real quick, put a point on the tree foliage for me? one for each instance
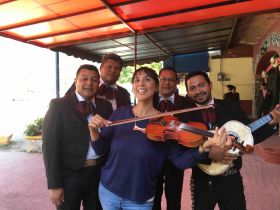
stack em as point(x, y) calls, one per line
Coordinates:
point(127, 72)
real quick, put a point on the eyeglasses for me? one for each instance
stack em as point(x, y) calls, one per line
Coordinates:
point(164, 79)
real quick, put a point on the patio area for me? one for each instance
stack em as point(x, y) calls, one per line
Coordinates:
point(23, 183)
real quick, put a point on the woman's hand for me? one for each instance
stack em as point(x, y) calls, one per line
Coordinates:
point(95, 123)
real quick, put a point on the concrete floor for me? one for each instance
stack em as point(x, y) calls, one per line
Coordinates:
point(23, 183)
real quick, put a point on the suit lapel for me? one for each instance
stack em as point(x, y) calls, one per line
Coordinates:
point(73, 104)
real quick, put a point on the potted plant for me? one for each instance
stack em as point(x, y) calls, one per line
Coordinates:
point(33, 136)
point(33, 131)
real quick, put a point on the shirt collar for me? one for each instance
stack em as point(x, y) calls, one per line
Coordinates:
point(171, 98)
point(210, 103)
point(115, 86)
point(81, 98)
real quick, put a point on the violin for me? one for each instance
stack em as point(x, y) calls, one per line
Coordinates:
point(169, 128)
point(191, 134)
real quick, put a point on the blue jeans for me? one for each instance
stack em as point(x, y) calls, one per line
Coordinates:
point(110, 201)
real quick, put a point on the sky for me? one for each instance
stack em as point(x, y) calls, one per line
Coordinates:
point(27, 82)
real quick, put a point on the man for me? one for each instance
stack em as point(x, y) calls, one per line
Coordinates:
point(226, 189)
point(264, 100)
point(72, 167)
point(171, 177)
point(110, 69)
point(231, 95)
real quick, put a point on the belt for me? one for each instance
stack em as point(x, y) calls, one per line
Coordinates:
point(93, 162)
point(231, 171)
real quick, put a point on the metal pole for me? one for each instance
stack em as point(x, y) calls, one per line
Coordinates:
point(135, 51)
point(135, 58)
point(57, 73)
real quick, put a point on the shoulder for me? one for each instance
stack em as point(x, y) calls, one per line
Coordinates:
point(60, 101)
point(103, 107)
point(181, 102)
point(123, 112)
point(122, 90)
point(101, 101)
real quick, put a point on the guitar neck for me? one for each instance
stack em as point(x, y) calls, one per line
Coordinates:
point(260, 122)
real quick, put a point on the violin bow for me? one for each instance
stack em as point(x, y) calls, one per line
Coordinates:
point(136, 119)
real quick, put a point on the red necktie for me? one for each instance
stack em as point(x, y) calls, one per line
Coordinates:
point(86, 108)
point(165, 106)
point(209, 117)
point(108, 91)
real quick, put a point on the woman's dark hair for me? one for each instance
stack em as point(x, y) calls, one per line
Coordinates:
point(151, 73)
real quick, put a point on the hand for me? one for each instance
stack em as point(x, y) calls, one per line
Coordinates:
point(220, 154)
point(95, 123)
point(219, 139)
point(56, 196)
point(275, 113)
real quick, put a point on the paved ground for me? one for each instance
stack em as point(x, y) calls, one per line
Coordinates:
point(23, 183)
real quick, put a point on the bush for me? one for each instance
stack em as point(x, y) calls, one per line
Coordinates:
point(35, 128)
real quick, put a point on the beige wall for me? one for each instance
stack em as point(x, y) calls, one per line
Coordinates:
point(238, 70)
point(240, 73)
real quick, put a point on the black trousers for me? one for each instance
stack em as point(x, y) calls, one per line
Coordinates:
point(81, 187)
point(226, 191)
point(172, 178)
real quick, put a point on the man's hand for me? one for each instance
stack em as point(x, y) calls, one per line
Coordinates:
point(276, 115)
point(56, 196)
point(220, 154)
point(220, 139)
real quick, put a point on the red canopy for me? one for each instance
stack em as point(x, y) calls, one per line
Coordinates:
point(88, 29)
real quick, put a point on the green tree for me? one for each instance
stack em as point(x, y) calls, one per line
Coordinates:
point(127, 72)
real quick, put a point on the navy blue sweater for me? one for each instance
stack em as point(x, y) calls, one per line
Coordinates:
point(134, 161)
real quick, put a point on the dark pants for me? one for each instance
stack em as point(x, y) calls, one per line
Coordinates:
point(172, 177)
point(81, 186)
point(226, 191)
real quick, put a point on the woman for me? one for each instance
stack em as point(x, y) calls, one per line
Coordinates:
point(129, 176)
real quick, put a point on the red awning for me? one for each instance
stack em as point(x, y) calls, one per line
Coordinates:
point(88, 29)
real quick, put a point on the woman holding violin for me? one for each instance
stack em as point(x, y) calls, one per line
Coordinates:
point(128, 179)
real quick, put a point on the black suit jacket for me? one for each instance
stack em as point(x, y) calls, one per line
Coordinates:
point(122, 97)
point(66, 136)
point(231, 96)
point(264, 104)
point(226, 111)
point(180, 102)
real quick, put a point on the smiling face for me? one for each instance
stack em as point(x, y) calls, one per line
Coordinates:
point(110, 71)
point(167, 84)
point(199, 90)
point(143, 86)
point(87, 83)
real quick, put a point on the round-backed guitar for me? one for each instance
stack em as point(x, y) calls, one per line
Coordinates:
point(243, 142)
point(243, 136)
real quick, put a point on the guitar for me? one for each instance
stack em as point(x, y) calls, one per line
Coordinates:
point(242, 136)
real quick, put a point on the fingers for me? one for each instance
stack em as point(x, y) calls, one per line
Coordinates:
point(56, 196)
point(97, 122)
point(222, 138)
point(275, 114)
